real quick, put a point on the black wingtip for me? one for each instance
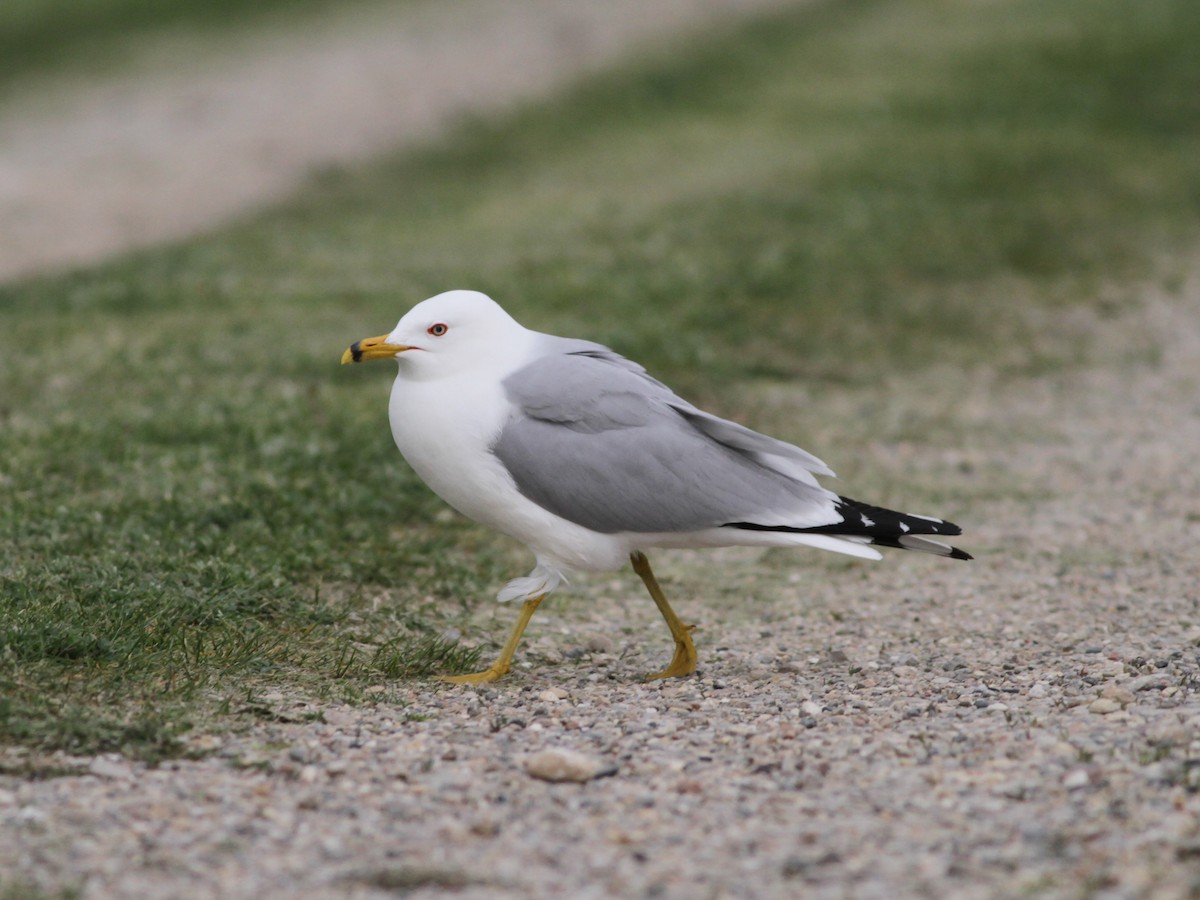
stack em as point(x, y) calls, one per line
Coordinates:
point(880, 526)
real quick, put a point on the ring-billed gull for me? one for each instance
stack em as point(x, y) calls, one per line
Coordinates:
point(576, 451)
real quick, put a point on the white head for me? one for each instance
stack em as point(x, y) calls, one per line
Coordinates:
point(447, 334)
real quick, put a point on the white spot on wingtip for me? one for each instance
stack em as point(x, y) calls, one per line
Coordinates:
point(867, 523)
point(905, 528)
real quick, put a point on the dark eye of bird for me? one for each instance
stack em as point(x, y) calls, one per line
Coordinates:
point(437, 330)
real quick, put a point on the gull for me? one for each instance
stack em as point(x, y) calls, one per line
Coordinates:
point(577, 452)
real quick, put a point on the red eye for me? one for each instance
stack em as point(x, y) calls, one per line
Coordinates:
point(437, 330)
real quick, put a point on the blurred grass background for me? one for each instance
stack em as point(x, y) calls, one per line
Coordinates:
point(198, 505)
point(42, 36)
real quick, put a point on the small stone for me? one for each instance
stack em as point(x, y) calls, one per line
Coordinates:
point(487, 828)
point(1015, 790)
point(309, 774)
point(599, 643)
point(1189, 848)
point(800, 864)
point(550, 695)
point(1104, 706)
point(838, 656)
point(31, 817)
point(1076, 778)
point(1038, 690)
point(1148, 683)
point(809, 708)
point(557, 764)
point(1115, 692)
point(108, 768)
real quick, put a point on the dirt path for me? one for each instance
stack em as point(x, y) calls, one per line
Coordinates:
point(196, 132)
point(1023, 725)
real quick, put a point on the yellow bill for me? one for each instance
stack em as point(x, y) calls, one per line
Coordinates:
point(372, 348)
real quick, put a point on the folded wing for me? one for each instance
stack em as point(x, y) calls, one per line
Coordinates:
point(600, 443)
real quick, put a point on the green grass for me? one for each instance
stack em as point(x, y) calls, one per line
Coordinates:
point(17, 890)
point(198, 504)
point(38, 36)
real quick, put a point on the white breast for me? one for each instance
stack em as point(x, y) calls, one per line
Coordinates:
point(445, 429)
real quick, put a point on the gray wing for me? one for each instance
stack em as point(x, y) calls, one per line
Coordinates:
point(602, 444)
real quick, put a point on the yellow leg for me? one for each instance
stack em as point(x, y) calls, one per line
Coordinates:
point(684, 660)
point(504, 662)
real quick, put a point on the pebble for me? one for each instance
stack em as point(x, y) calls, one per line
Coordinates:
point(558, 764)
point(104, 767)
point(1115, 692)
point(1076, 778)
point(31, 817)
point(1104, 705)
point(1154, 682)
point(309, 774)
point(599, 643)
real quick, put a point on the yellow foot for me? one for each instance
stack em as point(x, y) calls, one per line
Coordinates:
point(484, 677)
point(504, 662)
point(683, 662)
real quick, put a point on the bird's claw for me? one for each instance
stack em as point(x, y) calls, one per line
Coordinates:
point(683, 663)
point(485, 677)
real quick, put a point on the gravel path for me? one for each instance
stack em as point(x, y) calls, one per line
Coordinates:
point(1025, 724)
point(201, 129)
